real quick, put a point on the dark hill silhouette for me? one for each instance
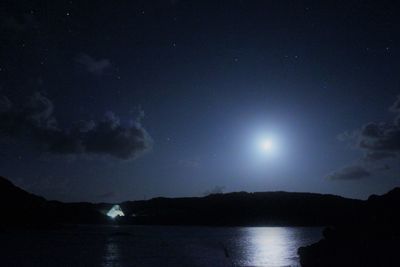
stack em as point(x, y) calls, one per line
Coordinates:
point(374, 241)
point(9, 192)
point(20, 208)
point(241, 208)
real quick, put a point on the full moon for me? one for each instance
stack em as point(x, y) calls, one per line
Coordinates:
point(266, 145)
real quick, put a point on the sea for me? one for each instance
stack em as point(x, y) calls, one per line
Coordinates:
point(123, 246)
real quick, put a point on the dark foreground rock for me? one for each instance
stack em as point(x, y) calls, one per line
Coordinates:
point(372, 241)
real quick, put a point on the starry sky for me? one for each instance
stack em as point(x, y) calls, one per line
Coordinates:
point(117, 100)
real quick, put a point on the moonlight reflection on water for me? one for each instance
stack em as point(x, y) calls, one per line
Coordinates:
point(271, 246)
point(196, 246)
point(111, 254)
point(120, 246)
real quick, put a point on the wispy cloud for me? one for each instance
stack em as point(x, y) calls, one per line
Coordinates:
point(92, 65)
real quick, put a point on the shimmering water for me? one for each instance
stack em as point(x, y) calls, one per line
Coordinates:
point(112, 246)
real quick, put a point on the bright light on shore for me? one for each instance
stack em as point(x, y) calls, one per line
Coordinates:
point(115, 211)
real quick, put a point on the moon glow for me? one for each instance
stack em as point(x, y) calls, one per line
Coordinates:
point(266, 145)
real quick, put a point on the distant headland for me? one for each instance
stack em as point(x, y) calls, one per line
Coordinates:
point(230, 209)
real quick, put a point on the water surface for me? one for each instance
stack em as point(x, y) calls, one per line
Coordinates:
point(120, 246)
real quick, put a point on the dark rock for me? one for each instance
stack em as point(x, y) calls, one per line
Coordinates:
point(374, 241)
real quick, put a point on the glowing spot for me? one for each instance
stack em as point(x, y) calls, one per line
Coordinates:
point(266, 145)
point(115, 211)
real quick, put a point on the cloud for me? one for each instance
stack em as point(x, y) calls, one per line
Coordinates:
point(92, 65)
point(349, 173)
point(383, 137)
point(107, 137)
point(383, 168)
point(32, 118)
point(380, 137)
point(376, 156)
point(379, 141)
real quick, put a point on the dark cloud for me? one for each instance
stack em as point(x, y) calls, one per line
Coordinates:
point(92, 65)
point(107, 137)
point(376, 155)
point(382, 137)
point(110, 137)
point(379, 140)
point(349, 173)
point(384, 168)
point(32, 118)
point(372, 130)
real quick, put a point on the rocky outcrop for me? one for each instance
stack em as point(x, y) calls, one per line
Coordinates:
point(373, 241)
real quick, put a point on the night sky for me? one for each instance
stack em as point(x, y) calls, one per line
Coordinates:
point(117, 100)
